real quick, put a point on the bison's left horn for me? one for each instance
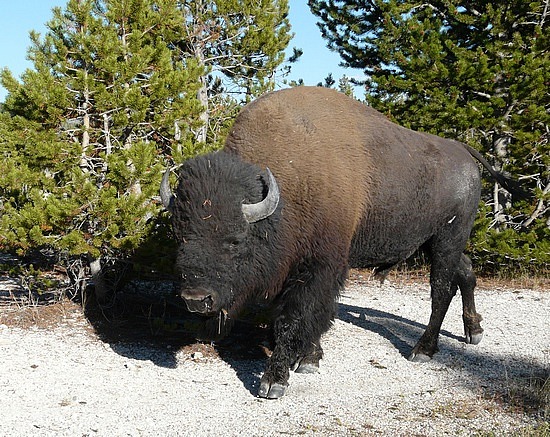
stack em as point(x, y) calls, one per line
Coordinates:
point(165, 193)
point(254, 212)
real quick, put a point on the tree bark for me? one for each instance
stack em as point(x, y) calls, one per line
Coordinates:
point(501, 198)
point(98, 278)
point(539, 210)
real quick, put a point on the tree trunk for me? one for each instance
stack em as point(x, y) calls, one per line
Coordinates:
point(85, 129)
point(98, 278)
point(539, 210)
point(501, 198)
point(200, 135)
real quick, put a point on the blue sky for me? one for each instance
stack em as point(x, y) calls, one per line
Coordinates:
point(20, 16)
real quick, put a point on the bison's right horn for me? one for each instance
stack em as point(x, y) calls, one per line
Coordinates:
point(165, 193)
point(254, 212)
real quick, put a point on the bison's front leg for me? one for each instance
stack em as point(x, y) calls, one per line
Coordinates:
point(310, 362)
point(275, 378)
point(307, 309)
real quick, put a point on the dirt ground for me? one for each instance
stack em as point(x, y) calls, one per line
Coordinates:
point(135, 369)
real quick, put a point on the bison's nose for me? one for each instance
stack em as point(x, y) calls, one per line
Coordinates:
point(199, 301)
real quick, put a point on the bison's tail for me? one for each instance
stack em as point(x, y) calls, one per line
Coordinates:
point(514, 187)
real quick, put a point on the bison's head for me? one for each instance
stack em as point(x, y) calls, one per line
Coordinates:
point(224, 216)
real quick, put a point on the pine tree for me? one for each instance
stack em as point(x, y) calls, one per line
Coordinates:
point(328, 81)
point(86, 134)
point(477, 72)
point(105, 88)
point(345, 85)
point(240, 45)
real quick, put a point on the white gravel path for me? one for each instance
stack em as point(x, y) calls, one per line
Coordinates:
point(66, 382)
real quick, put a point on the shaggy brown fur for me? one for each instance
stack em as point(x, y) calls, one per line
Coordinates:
point(356, 190)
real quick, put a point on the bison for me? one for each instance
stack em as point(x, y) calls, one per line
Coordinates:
point(310, 183)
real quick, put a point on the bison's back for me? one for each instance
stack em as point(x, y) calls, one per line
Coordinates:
point(345, 169)
point(298, 134)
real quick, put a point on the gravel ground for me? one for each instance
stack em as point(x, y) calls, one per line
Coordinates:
point(66, 381)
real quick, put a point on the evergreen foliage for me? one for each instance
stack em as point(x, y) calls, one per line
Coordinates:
point(106, 93)
point(240, 45)
point(345, 85)
point(114, 93)
point(478, 72)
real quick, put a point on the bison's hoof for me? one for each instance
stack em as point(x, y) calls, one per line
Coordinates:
point(271, 391)
point(307, 368)
point(419, 358)
point(473, 338)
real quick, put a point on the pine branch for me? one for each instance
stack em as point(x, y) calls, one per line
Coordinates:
point(539, 210)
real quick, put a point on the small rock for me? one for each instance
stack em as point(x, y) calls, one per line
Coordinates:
point(130, 366)
point(197, 356)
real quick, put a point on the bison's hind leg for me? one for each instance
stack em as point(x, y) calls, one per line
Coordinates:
point(446, 276)
point(444, 266)
point(466, 281)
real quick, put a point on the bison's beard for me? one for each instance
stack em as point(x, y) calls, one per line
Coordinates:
point(214, 328)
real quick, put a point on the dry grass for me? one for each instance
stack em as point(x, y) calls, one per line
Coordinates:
point(525, 396)
point(460, 410)
point(529, 394)
point(405, 275)
point(522, 396)
point(42, 316)
point(524, 282)
point(540, 430)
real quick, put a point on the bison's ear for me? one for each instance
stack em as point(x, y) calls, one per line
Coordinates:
point(165, 192)
point(254, 212)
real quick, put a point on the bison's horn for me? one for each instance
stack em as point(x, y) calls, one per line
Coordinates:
point(254, 212)
point(165, 193)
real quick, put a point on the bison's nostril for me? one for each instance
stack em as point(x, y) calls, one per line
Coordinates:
point(208, 302)
point(199, 300)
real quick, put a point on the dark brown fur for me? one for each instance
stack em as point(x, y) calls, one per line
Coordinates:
point(356, 190)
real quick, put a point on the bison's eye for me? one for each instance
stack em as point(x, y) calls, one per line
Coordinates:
point(234, 241)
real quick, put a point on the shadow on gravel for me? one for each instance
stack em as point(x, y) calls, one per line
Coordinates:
point(516, 382)
point(400, 332)
point(137, 330)
point(158, 331)
point(246, 350)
